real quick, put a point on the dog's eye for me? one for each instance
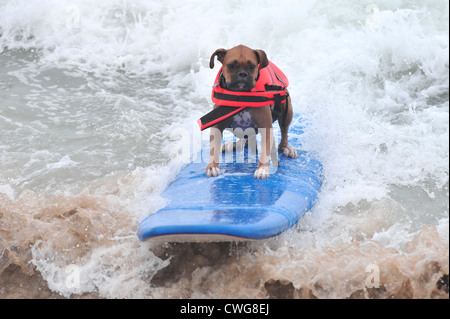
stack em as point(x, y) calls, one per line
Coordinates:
point(252, 67)
point(232, 66)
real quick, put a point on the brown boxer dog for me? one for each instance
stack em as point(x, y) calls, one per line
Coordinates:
point(240, 70)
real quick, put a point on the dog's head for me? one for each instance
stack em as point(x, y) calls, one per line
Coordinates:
point(241, 66)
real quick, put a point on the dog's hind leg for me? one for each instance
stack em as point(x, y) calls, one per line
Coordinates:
point(234, 146)
point(284, 122)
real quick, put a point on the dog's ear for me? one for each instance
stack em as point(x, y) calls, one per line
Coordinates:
point(220, 56)
point(262, 59)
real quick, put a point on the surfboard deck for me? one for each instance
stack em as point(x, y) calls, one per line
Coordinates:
point(235, 206)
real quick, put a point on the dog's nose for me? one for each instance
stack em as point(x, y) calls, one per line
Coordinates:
point(243, 74)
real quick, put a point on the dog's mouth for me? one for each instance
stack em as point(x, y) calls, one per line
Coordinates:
point(240, 86)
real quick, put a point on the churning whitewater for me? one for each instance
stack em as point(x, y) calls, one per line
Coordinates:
point(96, 99)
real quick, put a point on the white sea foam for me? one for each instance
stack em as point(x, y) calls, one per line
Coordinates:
point(91, 92)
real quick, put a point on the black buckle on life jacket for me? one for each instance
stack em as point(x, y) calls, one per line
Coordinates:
point(278, 100)
point(273, 87)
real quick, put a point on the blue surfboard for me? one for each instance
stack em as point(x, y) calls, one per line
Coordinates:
point(235, 206)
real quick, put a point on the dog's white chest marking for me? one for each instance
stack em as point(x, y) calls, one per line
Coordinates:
point(243, 120)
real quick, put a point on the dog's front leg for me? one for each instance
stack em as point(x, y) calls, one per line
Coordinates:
point(215, 141)
point(267, 142)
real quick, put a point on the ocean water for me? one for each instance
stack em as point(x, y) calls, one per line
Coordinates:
point(94, 95)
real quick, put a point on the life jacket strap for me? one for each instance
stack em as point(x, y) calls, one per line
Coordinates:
point(247, 98)
point(217, 115)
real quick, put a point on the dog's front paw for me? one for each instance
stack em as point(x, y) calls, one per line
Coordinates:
point(262, 172)
point(288, 151)
point(212, 170)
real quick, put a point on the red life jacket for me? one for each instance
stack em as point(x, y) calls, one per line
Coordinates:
point(270, 89)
